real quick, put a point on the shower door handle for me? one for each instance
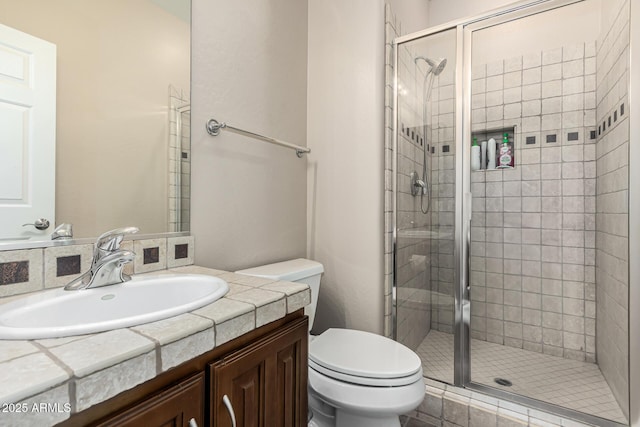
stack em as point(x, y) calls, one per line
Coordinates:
point(468, 213)
point(468, 261)
point(468, 209)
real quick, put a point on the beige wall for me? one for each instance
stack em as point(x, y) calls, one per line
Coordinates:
point(345, 174)
point(116, 60)
point(442, 11)
point(250, 200)
point(411, 15)
point(250, 70)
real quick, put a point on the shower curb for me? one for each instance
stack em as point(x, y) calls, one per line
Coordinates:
point(447, 406)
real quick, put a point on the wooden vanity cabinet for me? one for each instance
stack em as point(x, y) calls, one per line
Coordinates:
point(174, 407)
point(266, 383)
point(263, 373)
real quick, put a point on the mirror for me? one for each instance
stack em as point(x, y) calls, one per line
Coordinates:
point(122, 110)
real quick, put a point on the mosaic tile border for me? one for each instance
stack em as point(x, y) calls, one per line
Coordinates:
point(30, 270)
point(21, 271)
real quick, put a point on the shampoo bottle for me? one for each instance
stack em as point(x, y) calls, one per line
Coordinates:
point(513, 150)
point(491, 154)
point(505, 158)
point(475, 155)
point(483, 155)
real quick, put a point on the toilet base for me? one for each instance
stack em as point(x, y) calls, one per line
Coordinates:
point(345, 419)
point(358, 406)
point(323, 415)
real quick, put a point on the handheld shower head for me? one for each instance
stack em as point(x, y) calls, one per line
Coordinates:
point(422, 186)
point(436, 66)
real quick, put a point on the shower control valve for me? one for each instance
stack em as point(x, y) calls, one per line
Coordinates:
point(418, 186)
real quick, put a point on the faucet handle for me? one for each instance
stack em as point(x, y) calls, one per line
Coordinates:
point(121, 257)
point(110, 241)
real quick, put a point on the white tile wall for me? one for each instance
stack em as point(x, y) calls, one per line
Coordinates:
point(530, 264)
point(611, 218)
point(391, 31)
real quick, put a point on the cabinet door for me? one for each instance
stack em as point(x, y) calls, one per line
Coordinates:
point(173, 407)
point(266, 382)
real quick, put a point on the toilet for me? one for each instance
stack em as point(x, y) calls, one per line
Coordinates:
point(356, 378)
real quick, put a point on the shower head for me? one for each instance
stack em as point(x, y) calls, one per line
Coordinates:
point(436, 66)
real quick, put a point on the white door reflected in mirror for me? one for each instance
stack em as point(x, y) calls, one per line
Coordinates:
point(27, 134)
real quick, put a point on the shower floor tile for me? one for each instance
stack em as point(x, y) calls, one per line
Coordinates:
point(575, 385)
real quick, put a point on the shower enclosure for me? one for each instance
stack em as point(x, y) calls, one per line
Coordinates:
point(512, 278)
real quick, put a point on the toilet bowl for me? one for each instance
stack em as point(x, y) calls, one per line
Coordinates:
point(356, 378)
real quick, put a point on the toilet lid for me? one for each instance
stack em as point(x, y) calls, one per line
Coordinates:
point(360, 357)
point(289, 271)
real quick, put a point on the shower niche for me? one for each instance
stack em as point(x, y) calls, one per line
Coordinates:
point(487, 159)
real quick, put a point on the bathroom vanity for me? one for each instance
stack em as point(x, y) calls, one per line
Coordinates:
point(263, 373)
point(246, 354)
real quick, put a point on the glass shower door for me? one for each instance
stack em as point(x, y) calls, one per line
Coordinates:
point(425, 186)
point(536, 101)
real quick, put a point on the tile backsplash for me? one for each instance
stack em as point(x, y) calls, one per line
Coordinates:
point(180, 251)
point(21, 271)
point(151, 255)
point(63, 264)
point(29, 270)
point(14, 272)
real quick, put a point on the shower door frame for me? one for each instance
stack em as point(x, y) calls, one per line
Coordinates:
point(463, 200)
point(459, 345)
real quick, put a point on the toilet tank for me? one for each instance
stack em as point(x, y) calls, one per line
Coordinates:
point(296, 270)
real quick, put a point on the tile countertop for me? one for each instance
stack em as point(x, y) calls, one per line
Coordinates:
point(43, 381)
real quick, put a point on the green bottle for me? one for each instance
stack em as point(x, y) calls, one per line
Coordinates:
point(505, 158)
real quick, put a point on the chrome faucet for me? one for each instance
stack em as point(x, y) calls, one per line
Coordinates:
point(62, 232)
point(107, 263)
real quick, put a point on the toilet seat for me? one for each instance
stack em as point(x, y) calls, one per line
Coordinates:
point(363, 358)
point(365, 400)
point(364, 381)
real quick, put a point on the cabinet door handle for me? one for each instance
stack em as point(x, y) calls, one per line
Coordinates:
point(193, 422)
point(227, 403)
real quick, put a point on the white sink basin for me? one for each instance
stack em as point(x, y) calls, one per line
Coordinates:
point(143, 299)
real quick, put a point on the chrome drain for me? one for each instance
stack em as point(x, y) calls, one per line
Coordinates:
point(503, 382)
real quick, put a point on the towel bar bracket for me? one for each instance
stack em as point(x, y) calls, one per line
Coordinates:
point(214, 126)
